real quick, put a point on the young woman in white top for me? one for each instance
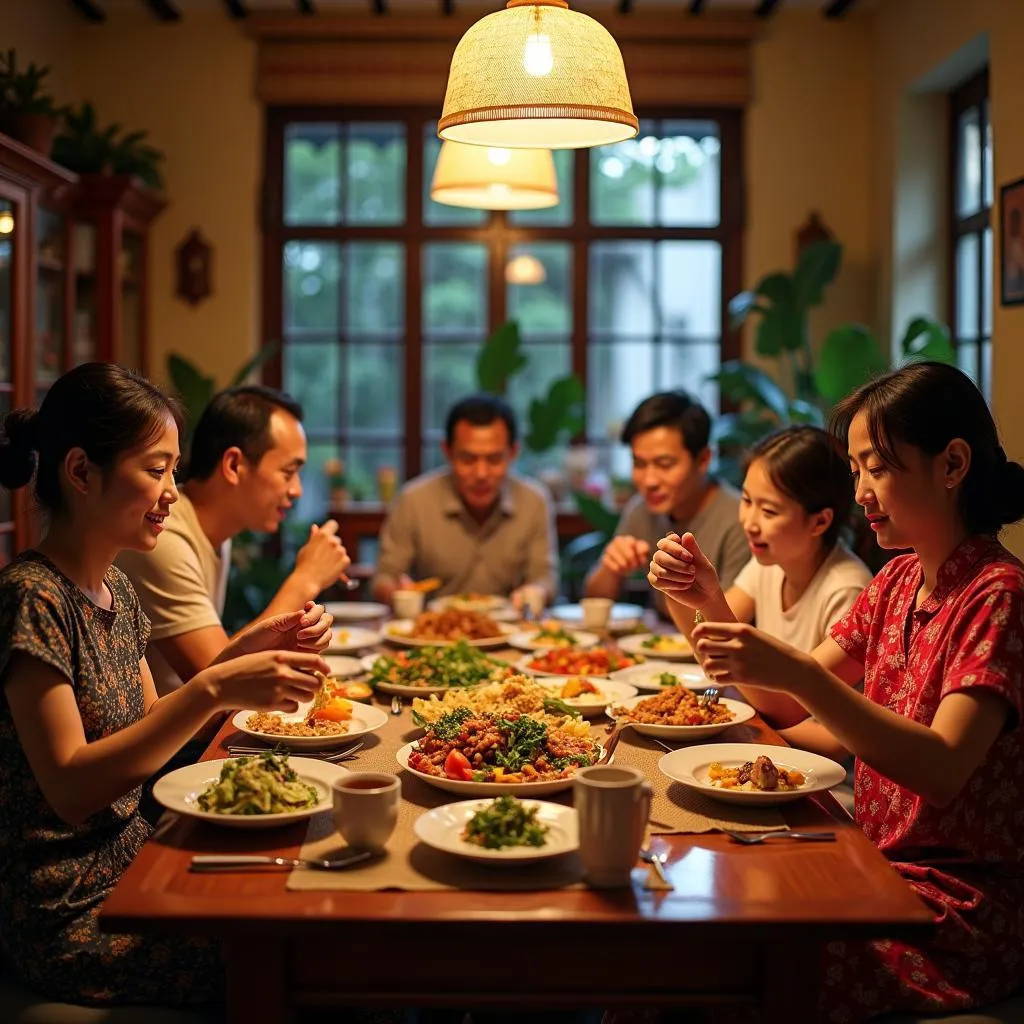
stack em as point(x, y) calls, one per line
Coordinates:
point(801, 580)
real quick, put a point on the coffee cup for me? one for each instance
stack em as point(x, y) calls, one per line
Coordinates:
point(407, 604)
point(366, 808)
point(596, 612)
point(613, 804)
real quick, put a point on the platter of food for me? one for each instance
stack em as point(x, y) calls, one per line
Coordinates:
point(443, 629)
point(654, 676)
point(551, 635)
point(676, 714)
point(586, 695)
point(427, 670)
point(352, 638)
point(666, 646)
point(571, 661)
point(514, 695)
point(494, 605)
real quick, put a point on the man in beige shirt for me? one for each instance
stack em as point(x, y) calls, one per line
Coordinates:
point(473, 525)
point(243, 474)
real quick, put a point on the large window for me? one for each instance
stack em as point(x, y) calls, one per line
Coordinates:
point(971, 290)
point(381, 297)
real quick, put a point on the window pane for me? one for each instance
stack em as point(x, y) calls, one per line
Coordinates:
point(373, 390)
point(439, 214)
point(621, 287)
point(987, 283)
point(363, 463)
point(619, 376)
point(312, 174)
point(562, 214)
point(544, 307)
point(622, 180)
point(967, 287)
point(315, 500)
point(987, 175)
point(312, 373)
point(449, 373)
point(375, 162)
point(688, 365)
point(547, 363)
point(455, 288)
point(375, 287)
point(969, 162)
point(967, 358)
point(690, 288)
point(312, 274)
point(986, 369)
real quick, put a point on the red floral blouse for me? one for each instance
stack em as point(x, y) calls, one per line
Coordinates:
point(966, 860)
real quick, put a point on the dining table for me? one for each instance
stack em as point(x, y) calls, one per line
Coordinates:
point(743, 926)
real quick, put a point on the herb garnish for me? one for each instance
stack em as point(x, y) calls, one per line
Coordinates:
point(506, 822)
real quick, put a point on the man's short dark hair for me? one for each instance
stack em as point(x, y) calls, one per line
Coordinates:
point(236, 418)
point(673, 409)
point(481, 411)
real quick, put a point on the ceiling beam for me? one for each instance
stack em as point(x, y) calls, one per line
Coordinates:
point(766, 8)
point(625, 6)
point(305, 6)
point(380, 6)
point(89, 10)
point(447, 6)
point(236, 9)
point(164, 10)
point(696, 6)
point(837, 8)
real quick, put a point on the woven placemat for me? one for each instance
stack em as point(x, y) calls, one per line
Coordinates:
point(410, 865)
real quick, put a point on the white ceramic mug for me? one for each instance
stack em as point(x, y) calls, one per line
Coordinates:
point(613, 805)
point(366, 808)
point(407, 603)
point(596, 612)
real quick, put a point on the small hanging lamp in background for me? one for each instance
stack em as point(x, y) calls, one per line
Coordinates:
point(494, 179)
point(525, 269)
point(537, 75)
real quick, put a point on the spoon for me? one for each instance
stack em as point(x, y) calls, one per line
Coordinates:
point(348, 584)
point(657, 861)
point(396, 705)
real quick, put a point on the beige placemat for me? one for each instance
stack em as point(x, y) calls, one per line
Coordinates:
point(410, 865)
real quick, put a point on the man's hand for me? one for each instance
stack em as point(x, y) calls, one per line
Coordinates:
point(530, 597)
point(625, 554)
point(322, 560)
point(308, 629)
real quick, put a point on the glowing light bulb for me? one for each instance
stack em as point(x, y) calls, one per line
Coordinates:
point(6, 223)
point(537, 58)
point(499, 188)
point(499, 157)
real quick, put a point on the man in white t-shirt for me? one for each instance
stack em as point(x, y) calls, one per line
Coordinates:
point(242, 474)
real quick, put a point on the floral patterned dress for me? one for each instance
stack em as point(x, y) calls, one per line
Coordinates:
point(57, 875)
point(966, 860)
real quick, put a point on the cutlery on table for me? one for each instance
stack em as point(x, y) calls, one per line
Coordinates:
point(657, 861)
point(752, 838)
point(396, 705)
point(233, 862)
point(347, 583)
point(708, 697)
point(613, 742)
point(321, 755)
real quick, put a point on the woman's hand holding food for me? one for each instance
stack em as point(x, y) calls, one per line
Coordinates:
point(737, 653)
point(681, 571)
point(307, 629)
point(266, 681)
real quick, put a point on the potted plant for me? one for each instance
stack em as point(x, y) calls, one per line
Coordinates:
point(86, 148)
point(27, 113)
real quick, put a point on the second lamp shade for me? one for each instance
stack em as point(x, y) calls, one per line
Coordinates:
point(494, 179)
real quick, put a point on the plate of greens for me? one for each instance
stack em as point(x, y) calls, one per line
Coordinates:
point(262, 791)
point(424, 670)
point(502, 831)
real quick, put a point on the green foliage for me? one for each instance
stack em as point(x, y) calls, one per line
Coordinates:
point(500, 358)
point(596, 514)
point(86, 148)
point(21, 92)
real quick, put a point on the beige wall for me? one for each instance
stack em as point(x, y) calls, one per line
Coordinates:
point(42, 31)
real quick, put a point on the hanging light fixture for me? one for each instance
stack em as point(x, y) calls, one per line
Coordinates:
point(494, 179)
point(525, 269)
point(537, 75)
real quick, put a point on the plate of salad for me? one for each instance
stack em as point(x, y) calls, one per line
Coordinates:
point(506, 830)
point(425, 670)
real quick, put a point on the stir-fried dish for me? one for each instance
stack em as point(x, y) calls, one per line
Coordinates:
point(598, 661)
point(760, 774)
point(583, 691)
point(459, 665)
point(674, 706)
point(518, 695)
point(450, 625)
point(329, 714)
point(504, 823)
point(552, 635)
point(264, 784)
point(667, 645)
point(501, 749)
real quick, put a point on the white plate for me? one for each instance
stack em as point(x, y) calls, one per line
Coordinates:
point(588, 705)
point(634, 644)
point(647, 676)
point(343, 667)
point(623, 616)
point(365, 718)
point(523, 665)
point(442, 828)
point(498, 608)
point(684, 733)
point(353, 638)
point(394, 630)
point(179, 791)
point(526, 641)
point(689, 766)
point(401, 690)
point(356, 611)
point(488, 789)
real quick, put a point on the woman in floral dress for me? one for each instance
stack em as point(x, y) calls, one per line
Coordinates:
point(81, 727)
point(939, 638)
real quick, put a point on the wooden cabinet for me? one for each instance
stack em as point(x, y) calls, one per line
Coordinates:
point(73, 258)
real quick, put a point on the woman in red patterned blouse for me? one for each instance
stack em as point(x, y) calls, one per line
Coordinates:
point(939, 638)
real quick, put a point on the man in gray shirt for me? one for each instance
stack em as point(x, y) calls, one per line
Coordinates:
point(668, 434)
point(473, 525)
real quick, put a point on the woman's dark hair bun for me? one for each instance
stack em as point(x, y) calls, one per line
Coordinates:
point(18, 448)
point(1008, 493)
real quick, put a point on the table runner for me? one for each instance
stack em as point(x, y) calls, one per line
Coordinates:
point(410, 865)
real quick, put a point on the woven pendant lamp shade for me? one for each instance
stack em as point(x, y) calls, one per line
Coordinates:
point(494, 179)
point(537, 75)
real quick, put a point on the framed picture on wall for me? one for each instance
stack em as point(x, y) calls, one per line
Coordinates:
point(1011, 219)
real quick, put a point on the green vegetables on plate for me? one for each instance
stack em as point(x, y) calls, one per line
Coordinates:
point(458, 665)
point(264, 784)
point(504, 823)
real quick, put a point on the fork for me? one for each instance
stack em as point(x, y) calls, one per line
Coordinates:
point(708, 698)
point(242, 862)
point(321, 755)
point(752, 838)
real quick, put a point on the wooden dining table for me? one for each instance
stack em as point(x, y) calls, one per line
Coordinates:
point(743, 926)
